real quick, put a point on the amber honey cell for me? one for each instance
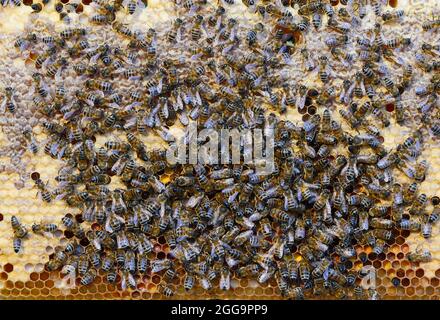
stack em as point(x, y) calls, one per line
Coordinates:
point(429, 290)
point(410, 273)
point(405, 282)
point(415, 282)
point(390, 256)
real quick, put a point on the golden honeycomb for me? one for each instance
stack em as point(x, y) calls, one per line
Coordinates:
point(23, 276)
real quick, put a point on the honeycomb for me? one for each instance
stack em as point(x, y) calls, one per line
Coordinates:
point(23, 275)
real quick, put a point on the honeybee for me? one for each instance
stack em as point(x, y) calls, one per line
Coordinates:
point(46, 195)
point(99, 85)
point(20, 231)
point(88, 277)
point(73, 226)
point(422, 62)
point(296, 293)
point(8, 100)
point(17, 244)
point(224, 279)
point(398, 42)
point(196, 31)
point(174, 34)
point(165, 290)
point(317, 20)
point(101, 18)
point(32, 143)
point(132, 6)
point(42, 228)
point(388, 16)
point(420, 255)
point(122, 29)
point(54, 70)
point(431, 24)
point(335, 41)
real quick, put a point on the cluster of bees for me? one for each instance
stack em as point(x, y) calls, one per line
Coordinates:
point(6, 3)
point(21, 232)
point(332, 189)
point(65, 8)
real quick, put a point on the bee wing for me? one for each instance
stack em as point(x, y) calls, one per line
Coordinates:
point(131, 280)
point(196, 56)
point(108, 228)
point(130, 123)
point(232, 76)
point(257, 81)
point(288, 61)
point(185, 97)
point(283, 49)
point(63, 184)
point(194, 113)
point(131, 106)
point(32, 91)
point(356, 171)
point(193, 10)
point(279, 5)
point(3, 105)
point(157, 122)
point(300, 102)
point(330, 70)
point(193, 201)
point(179, 35)
point(218, 23)
point(58, 74)
point(165, 110)
point(54, 148)
point(123, 282)
point(383, 69)
point(60, 196)
point(344, 170)
point(97, 244)
point(166, 135)
point(23, 47)
point(179, 102)
point(69, 114)
point(175, 105)
point(77, 146)
point(217, 38)
point(140, 4)
point(121, 219)
point(94, 59)
point(149, 120)
point(119, 169)
point(198, 99)
point(227, 49)
point(61, 153)
point(89, 214)
point(232, 197)
point(183, 118)
point(350, 90)
point(45, 87)
point(160, 85)
point(249, 67)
